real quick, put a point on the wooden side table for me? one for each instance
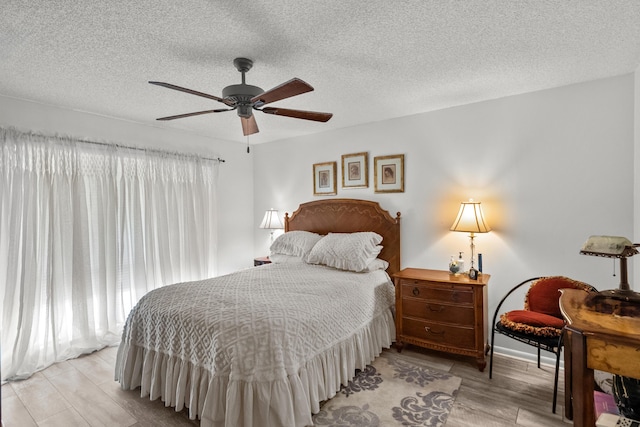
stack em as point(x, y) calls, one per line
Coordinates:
point(442, 311)
point(595, 340)
point(261, 261)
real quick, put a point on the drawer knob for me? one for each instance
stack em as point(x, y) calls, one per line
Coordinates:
point(431, 331)
point(415, 292)
point(436, 309)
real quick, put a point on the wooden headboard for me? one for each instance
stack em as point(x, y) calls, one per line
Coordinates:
point(350, 216)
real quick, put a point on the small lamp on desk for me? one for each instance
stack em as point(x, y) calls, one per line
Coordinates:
point(470, 220)
point(621, 248)
point(271, 221)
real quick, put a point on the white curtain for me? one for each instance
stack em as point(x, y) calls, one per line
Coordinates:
point(85, 231)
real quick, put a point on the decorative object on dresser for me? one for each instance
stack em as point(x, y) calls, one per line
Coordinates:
point(540, 323)
point(388, 174)
point(271, 221)
point(470, 220)
point(355, 170)
point(442, 311)
point(324, 179)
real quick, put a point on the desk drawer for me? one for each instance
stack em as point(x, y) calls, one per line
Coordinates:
point(425, 290)
point(429, 310)
point(445, 335)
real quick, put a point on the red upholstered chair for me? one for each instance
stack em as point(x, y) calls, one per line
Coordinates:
point(540, 323)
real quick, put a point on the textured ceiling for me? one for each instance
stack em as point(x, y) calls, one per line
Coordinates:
point(367, 60)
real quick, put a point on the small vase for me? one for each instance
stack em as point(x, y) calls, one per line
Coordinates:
point(454, 267)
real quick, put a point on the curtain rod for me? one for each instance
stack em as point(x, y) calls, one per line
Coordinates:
point(127, 147)
point(153, 150)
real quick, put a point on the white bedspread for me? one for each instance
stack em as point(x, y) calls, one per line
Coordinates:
point(260, 347)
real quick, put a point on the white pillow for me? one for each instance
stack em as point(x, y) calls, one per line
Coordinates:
point(285, 259)
point(296, 243)
point(376, 264)
point(346, 251)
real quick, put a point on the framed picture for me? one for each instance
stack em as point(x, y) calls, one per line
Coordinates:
point(355, 170)
point(389, 173)
point(324, 179)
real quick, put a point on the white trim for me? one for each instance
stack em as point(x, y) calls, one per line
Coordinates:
point(528, 357)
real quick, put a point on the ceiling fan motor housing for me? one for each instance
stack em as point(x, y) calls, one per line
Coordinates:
point(242, 95)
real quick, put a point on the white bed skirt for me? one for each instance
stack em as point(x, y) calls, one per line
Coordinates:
point(220, 401)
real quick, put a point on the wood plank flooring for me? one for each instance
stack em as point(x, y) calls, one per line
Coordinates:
point(82, 392)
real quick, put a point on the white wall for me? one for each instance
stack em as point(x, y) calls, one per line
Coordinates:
point(550, 168)
point(235, 190)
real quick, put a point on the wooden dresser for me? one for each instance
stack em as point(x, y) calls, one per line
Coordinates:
point(442, 311)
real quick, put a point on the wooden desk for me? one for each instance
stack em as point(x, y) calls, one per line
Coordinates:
point(594, 340)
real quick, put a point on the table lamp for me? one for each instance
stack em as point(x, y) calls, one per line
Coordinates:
point(271, 221)
point(470, 220)
point(613, 247)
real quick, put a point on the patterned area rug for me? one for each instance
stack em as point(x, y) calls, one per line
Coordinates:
point(395, 390)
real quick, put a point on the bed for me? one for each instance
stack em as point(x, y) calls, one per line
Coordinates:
point(265, 345)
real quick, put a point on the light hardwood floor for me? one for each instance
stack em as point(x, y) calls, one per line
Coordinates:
point(82, 392)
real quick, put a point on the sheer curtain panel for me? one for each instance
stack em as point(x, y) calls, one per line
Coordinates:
point(86, 230)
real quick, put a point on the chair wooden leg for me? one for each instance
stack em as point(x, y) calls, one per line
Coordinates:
point(538, 356)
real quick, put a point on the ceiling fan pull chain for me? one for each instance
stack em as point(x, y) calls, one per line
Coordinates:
point(248, 149)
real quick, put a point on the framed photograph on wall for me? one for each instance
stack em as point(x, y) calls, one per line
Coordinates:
point(355, 170)
point(388, 173)
point(324, 179)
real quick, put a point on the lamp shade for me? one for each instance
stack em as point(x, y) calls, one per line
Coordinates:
point(470, 219)
point(271, 220)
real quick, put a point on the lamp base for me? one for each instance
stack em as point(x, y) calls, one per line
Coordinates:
point(622, 302)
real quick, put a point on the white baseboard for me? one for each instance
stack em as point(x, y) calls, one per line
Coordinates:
point(529, 357)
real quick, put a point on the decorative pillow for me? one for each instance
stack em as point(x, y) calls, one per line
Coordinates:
point(285, 259)
point(544, 295)
point(346, 251)
point(376, 264)
point(531, 322)
point(295, 243)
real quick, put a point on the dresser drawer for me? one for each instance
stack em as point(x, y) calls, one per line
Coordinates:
point(444, 335)
point(428, 310)
point(437, 292)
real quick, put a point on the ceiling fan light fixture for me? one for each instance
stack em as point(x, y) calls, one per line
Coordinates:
point(244, 110)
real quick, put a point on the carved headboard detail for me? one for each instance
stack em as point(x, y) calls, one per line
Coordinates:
point(350, 216)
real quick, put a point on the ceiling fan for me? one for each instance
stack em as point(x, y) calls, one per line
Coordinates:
point(245, 98)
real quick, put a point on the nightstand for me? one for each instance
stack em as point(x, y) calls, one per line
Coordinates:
point(442, 311)
point(261, 261)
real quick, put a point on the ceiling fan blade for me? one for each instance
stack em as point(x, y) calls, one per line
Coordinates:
point(298, 114)
point(293, 87)
point(249, 125)
point(197, 113)
point(194, 92)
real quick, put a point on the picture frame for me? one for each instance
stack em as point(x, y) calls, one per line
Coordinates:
point(355, 170)
point(389, 174)
point(324, 179)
